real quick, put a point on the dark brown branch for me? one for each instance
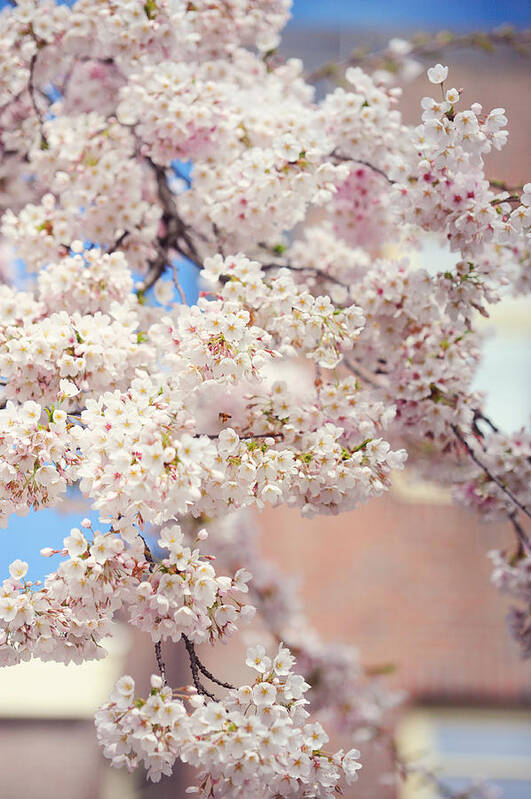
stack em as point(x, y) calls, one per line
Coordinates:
point(177, 235)
point(147, 553)
point(374, 168)
point(246, 437)
point(211, 677)
point(194, 666)
point(481, 417)
point(513, 198)
point(160, 661)
point(315, 270)
point(32, 92)
point(502, 186)
point(359, 373)
point(523, 541)
point(158, 649)
point(118, 243)
point(155, 271)
point(459, 435)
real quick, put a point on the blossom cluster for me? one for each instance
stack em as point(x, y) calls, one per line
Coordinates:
point(39, 458)
point(297, 321)
point(513, 577)
point(94, 191)
point(69, 616)
point(183, 595)
point(447, 189)
point(253, 742)
point(87, 282)
point(173, 111)
point(507, 462)
point(67, 619)
point(140, 461)
point(363, 119)
point(62, 354)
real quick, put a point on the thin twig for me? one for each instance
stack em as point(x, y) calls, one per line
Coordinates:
point(502, 186)
point(246, 437)
point(176, 237)
point(158, 649)
point(194, 666)
point(147, 552)
point(458, 434)
point(175, 275)
point(483, 418)
point(523, 541)
point(118, 243)
point(211, 677)
point(314, 269)
point(155, 271)
point(374, 168)
point(178, 230)
point(359, 373)
point(31, 89)
point(512, 198)
point(160, 661)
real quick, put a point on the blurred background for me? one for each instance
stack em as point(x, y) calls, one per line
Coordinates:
point(407, 579)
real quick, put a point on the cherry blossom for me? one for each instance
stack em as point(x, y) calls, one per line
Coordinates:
point(141, 141)
point(255, 740)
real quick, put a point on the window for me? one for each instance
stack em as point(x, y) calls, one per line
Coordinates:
point(464, 745)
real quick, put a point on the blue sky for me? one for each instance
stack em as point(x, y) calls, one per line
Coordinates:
point(459, 14)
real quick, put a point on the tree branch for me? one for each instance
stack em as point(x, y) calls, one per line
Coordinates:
point(523, 541)
point(194, 666)
point(374, 168)
point(177, 228)
point(160, 661)
point(512, 198)
point(459, 435)
point(315, 270)
point(118, 243)
point(483, 418)
point(175, 276)
point(206, 672)
point(359, 373)
point(32, 92)
point(176, 236)
point(158, 648)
